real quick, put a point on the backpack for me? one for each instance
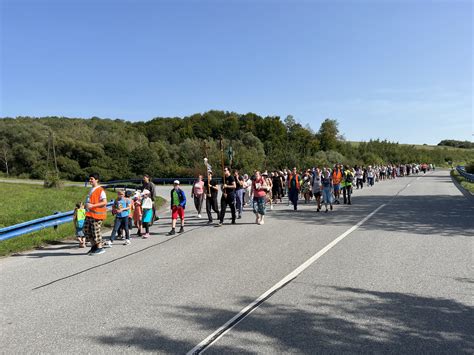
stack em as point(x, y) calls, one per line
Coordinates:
point(349, 178)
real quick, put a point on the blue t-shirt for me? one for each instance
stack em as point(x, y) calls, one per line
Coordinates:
point(123, 203)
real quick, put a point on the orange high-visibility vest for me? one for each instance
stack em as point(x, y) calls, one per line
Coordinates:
point(336, 177)
point(297, 178)
point(96, 212)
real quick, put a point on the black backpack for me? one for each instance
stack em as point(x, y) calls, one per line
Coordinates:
point(349, 178)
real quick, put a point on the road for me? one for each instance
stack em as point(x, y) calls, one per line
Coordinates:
point(399, 281)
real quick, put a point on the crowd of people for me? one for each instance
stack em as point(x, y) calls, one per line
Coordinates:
point(260, 190)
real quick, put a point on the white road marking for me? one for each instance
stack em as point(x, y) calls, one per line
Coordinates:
point(219, 333)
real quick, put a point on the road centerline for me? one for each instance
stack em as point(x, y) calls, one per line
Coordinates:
point(226, 327)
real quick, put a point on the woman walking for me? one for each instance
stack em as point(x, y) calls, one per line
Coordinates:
point(198, 194)
point(259, 189)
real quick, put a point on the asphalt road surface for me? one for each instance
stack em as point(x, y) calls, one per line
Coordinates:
point(395, 281)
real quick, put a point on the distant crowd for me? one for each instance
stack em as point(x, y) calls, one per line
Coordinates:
point(327, 186)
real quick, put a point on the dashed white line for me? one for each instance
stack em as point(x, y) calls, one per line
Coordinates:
point(219, 333)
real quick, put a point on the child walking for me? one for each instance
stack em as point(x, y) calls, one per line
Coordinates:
point(79, 219)
point(137, 213)
point(147, 208)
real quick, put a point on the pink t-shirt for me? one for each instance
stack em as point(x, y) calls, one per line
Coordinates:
point(258, 190)
point(198, 188)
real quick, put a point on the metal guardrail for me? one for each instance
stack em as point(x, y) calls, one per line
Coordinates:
point(462, 171)
point(66, 217)
point(38, 224)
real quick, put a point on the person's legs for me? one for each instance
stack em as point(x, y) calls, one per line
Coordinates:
point(117, 224)
point(126, 228)
point(223, 208)
point(215, 206)
point(231, 202)
point(255, 209)
point(208, 208)
point(181, 217)
point(197, 203)
point(239, 202)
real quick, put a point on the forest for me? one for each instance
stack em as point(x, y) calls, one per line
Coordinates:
point(175, 147)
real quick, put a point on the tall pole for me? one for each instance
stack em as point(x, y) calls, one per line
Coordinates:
point(222, 163)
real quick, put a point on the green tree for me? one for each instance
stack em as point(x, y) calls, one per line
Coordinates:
point(328, 133)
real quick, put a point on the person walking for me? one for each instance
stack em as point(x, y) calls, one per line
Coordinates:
point(316, 188)
point(239, 193)
point(259, 188)
point(147, 184)
point(147, 212)
point(347, 185)
point(178, 204)
point(79, 220)
point(294, 188)
point(228, 196)
point(212, 191)
point(336, 182)
point(96, 212)
point(197, 193)
point(359, 175)
point(121, 210)
point(327, 186)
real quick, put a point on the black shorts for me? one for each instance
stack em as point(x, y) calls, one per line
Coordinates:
point(317, 193)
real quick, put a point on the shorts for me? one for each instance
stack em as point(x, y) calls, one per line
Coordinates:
point(92, 229)
point(177, 211)
point(79, 232)
point(337, 187)
point(317, 193)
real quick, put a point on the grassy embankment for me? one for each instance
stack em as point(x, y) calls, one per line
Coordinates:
point(469, 186)
point(21, 203)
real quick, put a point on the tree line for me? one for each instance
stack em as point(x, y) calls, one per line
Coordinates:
point(173, 146)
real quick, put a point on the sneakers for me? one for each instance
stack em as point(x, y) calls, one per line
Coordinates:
point(181, 230)
point(127, 242)
point(92, 250)
point(199, 215)
point(219, 224)
point(233, 222)
point(97, 251)
point(262, 220)
point(209, 222)
point(172, 232)
point(146, 236)
point(330, 207)
point(108, 244)
point(239, 216)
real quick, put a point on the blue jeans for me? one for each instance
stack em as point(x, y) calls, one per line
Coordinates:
point(239, 200)
point(258, 205)
point(120, 222)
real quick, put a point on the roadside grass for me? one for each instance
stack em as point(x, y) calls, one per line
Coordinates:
point(469, 186)
point(21, 203)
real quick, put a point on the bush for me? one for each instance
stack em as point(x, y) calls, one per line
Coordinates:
point(470, 168)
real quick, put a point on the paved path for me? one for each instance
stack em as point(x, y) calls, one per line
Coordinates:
point(400, 282)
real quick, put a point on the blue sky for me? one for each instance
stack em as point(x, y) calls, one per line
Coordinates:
point(397, 70)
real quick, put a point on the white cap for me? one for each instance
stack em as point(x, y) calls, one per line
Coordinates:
point(145, 192)
point(176, 182)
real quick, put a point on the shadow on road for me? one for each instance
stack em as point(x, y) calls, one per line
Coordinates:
point(338, 320)
point(428, 215)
